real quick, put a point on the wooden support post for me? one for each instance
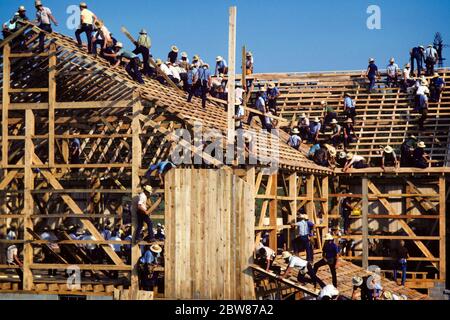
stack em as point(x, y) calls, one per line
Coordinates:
point(5, 102)
point(365, 222)
point(51, 104)
point(325, 205)
point(294, 208)
point(273, 212)
point(135, 181)
point(244, 72)
point(231, 74)
point(28, 200)
point(310, 196)
point(442, 229)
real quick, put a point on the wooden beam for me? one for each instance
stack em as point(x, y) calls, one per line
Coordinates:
point(244, 74)
point(231, 73)
point(365, 222)
point(52, 61)
point(442, 229)
point(273, 212)
point(135, 182)
point(28, 200)
point(325, 204)
point(5, 102)
point(310, 197)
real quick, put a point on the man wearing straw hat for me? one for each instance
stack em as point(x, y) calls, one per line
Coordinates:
point(437, 86)
point(273, 93)
point(147, 262)
point(44, 19)
point(303, 126)
point(221, 66)
point(330, 257)
point(87, 20)
point(173, 55)
point(392, 73)
point(294, 140)
point(422, 101)
point(102, 37)
point(303, 266)
point(143, 45)
point(305, 231)
point(349, 107)
point(421, 158)
point(355, 161)
point(336, 133)
point(389, 158)
point(314, 130)
point(349, 133)
point(132, 66)
point(139, 208)
point(372, 74)
point(431, 58)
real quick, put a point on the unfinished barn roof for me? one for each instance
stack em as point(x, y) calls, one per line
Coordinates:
point(82, 77)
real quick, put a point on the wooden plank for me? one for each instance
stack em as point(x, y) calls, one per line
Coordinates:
point(442, 229)
point(365, 222)
point(52, 62)
point(325, 204)
point(231, 73)
point(5, 102)
point(273, 212)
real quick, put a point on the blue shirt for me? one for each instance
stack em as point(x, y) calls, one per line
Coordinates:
point(221, 64)
point(330, 250)
point(348, 103)
point(190, 76)
point(203, 74)
point(126, 54)
point(162, 165)
point(438, 82)
point(148, 257)
point(261, 105)
point(273, 92)
point(295, 141)
point(373, 69)
point(313, 150)
point(304, 228)
point(315, 127)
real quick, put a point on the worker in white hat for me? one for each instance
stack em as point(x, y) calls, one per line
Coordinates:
point(355, 161)
point(392, 73)
point(436, 88)
point(140, 209)
point(22, 17)
point(336, 133)
point(329, 292)
point(202, 81)
point(361, 283)
point(314, 130)
point(421, 100)
point(132, 67)
point(303, 125)
point(265, 256)
point(349, 133)
point(304, 267)
point(330, 257)
point(421, 158)
point(273, 93)
point(389, 158)
point(44, 19)
point(304, 232)
point(417, 55)
point(431, 58)
point(102, 37)
point(295, 140)
point(260, 105)
point(372, 74)
point(221, 66)
point(172, 57)
point(143, 45)
point(249, 68)
point(87, 22)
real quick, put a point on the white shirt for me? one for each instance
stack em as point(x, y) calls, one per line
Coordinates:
point(328, 291)
point(175, 73)
point(297, 262)
point(87, 16)
point(165, 69)
point(43, 16)
point(270, 254)
point(239, 96)
point(141, 200)
point(355, 159)
point(407, 74)
point(11, 235)
point(103, 33)
point(422, 90)
point(10, 253)
point(392, 70)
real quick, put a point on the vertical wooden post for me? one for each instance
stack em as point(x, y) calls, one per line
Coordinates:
point(294, 206)
point(310, 196)
point(5, 101)
point(28, 200)
point(442, 229)
point(365, 222)
point(231, 74)
point(244, 72)
point(273, 211)
point(325, 206)
point(51, 104)
point(135, 181)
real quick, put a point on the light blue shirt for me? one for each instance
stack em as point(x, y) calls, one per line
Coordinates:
point(126, 54)
point(295, 141)
point(203, 74)
point(261, 105)
point(348, 103)
point(148, 257)
point(315, 127)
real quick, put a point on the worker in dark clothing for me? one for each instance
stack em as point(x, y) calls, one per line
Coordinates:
point(202, 81)
point(421, 158)
point(87, 21)
point(139, 208)
point(172, 57)
point(407, 152)
point(372, 74)
point(132, 67)
point(436, 88)
point(346, 211)
point(44, 19)
point(143, 45)
point(389, 158)
point(417, 54)
point(330, 115)
point(336, 133)
point(349, 107)
point(400, 260)
point(330, 257)
point(321, 156)
point(362, 284)
point(272, 95)
point(75, 151)
point(349, 133)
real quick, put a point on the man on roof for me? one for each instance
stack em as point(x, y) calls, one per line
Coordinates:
point(314, 130)
point(87, 20)
point(330, 257)
point(417, 55)
point(392, 73)
point(436, 88)
point(265, 256)
point(303, 126)
point(172, 57)
point(202, 82)
point(143, 45)
point(294, 140)
point(407, 151)
point(102, 38)
point(330, 115)
point(422, 101)
point(431, 58)
point(304, 267)
point(249, 67)
point(372, 73)
point(421, 158)
point(349, 133)
point(355, 161)
point(349, 107)
point(336, 133)
point(273, 93)
point(132, 66)
point(389, 158)
point(221, 66)
point(44, 19)
point(140, 209)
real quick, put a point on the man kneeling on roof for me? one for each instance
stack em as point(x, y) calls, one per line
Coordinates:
point(265, 257)
point(303, 266)
point(294, 140)
point(132, 67)
point(355, 161)
point(389, 158)
point(421, 158)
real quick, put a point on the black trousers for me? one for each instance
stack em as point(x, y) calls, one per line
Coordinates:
point(95, 44)
point(430, 63)
point(147, 70)
point(88, 29)
point(273, 106)
point(47, 28)
point(141, 219)
point(332, 265)
point(203, 89)
point(133, 70)
point(312, 274)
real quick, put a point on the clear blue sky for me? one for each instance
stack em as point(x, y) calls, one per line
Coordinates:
point(285, 35)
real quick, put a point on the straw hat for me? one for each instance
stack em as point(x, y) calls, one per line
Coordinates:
point(38, 3)
point(304, 217)
point(430, 46)
point(149, 189)
point(421, 145)
point(249, 54)
point(357, 281)
point(342, 155)
point(346, 94)
point(286, 255)
point(323, 103)
point(334, 121)
point(22, 9)
point(388, 150)
point(196, 57)
point(332, 150)
point(303, 116)
point(205, 65)
point(143, 31)
point(316, 120)
point(219, 58)
point(422, 47)
point(184, 54)
point(392, 60)
point(349, 120)
point(156, 248)
point(271, 85)
point(295, 131)
point(83, 5)
point(388, 295)
point(350, 156)
point(119, 45)
point(436, 75)
point(174, 48)
point(408, 65)
point(158, 62)
point(371, 60)
point(329, 237)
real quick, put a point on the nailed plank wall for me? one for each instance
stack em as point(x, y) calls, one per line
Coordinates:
point(210, 223)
